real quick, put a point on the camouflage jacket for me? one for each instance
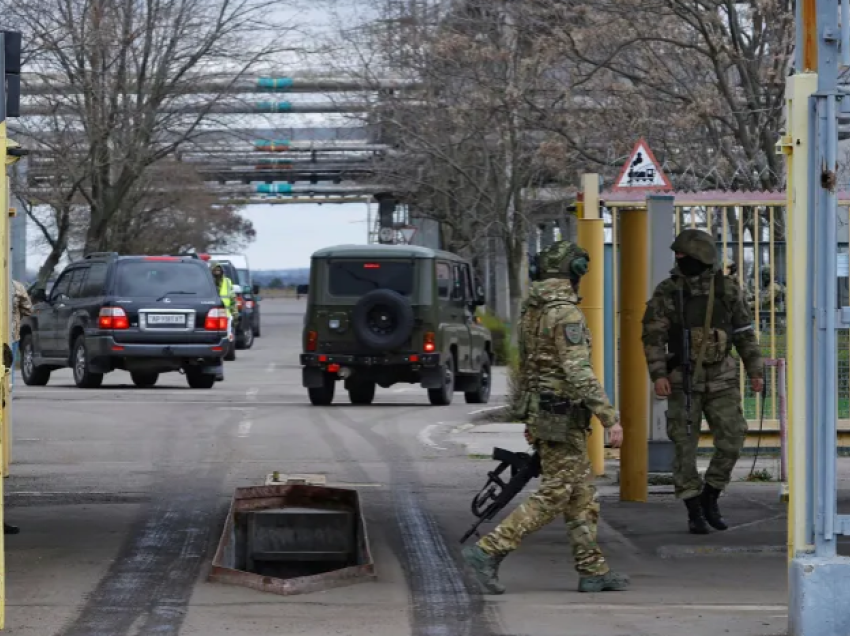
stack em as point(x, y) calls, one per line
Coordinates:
point(661, 314)
point(555, 349)
point(774, 290)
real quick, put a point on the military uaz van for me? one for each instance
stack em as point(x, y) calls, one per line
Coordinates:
point(379, 315)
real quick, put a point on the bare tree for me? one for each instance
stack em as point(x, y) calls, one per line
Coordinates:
point(466, 151)
point(122, 85)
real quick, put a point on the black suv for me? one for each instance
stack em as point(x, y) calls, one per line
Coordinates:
point(143, 314)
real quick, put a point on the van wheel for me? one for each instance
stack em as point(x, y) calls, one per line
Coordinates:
point(323, 395)
point(83, 377)
point(362, 393)
point(247, 339)
point(144, 379)
point(481, 395)
point(33, 375)
point(443, 396)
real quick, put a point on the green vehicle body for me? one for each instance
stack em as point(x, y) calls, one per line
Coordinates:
point(379, 315)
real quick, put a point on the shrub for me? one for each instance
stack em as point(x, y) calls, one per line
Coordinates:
point(502, 349)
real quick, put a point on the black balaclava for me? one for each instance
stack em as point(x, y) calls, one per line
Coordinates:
point(690, 266)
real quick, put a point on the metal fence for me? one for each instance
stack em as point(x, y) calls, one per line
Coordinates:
point(750, 232)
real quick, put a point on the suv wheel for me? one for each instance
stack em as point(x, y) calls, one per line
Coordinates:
point(33, 375)
point(144, 378)
point(247, 339)
point(83, 377)
point(362, 392)
point(443, 395)
point(481, 395)
point(199, 380)
point(323, 395)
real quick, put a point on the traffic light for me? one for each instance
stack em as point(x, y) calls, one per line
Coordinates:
point(12, 69)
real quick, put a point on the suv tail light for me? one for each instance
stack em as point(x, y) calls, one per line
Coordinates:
point(216, 319)
point(312, 340)
point(113, 318)
point(428, 345)
point(239, 302)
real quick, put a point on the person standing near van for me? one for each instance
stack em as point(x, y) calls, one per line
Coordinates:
point(21, 307)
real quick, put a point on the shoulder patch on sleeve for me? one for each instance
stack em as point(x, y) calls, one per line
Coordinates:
point(574, 332)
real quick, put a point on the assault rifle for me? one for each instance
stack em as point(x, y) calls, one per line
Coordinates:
point(497, 493)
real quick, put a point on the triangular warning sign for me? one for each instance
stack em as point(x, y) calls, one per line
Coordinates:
point(642, 171)
point(408, 233)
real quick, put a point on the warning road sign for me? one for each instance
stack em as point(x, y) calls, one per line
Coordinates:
point(407, 233)
point(642, 171)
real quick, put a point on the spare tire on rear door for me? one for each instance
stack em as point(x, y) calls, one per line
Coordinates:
point(382, 320)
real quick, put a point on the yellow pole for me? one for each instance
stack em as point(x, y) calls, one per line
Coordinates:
point(634, 396)
point(6, 325)
point(798, 91)
point(591, 236)
point(4, 338)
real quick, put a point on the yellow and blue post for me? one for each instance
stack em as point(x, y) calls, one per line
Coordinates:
point(591, 236)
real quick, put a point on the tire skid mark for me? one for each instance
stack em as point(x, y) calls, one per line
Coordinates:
point(440, 602)
point(147, 589)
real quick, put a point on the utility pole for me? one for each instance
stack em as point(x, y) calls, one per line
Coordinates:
point(816, 570)
point(10, 98)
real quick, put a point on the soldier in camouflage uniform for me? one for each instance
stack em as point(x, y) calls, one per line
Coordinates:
point(560, 393)
point(717, 316)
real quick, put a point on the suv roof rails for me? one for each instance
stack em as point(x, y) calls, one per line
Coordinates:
point(101, 254)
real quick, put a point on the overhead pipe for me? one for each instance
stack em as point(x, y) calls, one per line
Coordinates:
point(214, 108)
point(33, 84)
point(261, 188)
point(248, 175)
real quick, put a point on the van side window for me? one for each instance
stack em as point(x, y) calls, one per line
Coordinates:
point(444, 280)
point(459, 285)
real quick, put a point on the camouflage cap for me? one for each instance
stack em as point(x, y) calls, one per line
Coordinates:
point(697, 244)
point(556, 259)
point(214, 264)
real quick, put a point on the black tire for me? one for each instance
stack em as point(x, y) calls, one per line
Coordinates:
point(144, 379)
point(83, 376)
point(481, 395)
point(247, 339)
point(443, 396)
point(257, 324)
point(382, 320)
point(323, 395)
point(362, 393)
point(33, 375)
point(230, 356)
point(199, 380)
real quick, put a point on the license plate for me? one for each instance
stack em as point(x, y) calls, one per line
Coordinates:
point(166, 319)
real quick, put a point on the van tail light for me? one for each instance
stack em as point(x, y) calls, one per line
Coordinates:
point(428, 345)
point(113, 318)
point(312, 340)
point(216, 319)
point(239, 302)
point(249, 304)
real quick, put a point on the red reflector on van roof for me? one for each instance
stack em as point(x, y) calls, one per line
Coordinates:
point(161, 258)
point(371, 266)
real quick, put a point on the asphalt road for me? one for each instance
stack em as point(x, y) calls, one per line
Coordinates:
point(121, 494)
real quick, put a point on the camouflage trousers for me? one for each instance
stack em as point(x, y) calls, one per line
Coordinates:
point(564, 490)
point(728, 427)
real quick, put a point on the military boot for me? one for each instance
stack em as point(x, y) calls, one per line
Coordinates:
point(608, 582)
point(696, 520)
point(485, 568)
point(710, 509)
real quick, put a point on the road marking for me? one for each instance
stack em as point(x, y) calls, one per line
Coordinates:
point(241, 409)
point(487, 408)
point(424, 436)
point(618, 608)
point(244, 428)
point(251, 393)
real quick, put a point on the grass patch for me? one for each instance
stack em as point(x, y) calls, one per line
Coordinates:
point(760, 476)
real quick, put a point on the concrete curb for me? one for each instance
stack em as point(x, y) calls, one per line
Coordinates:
point(686, 551)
